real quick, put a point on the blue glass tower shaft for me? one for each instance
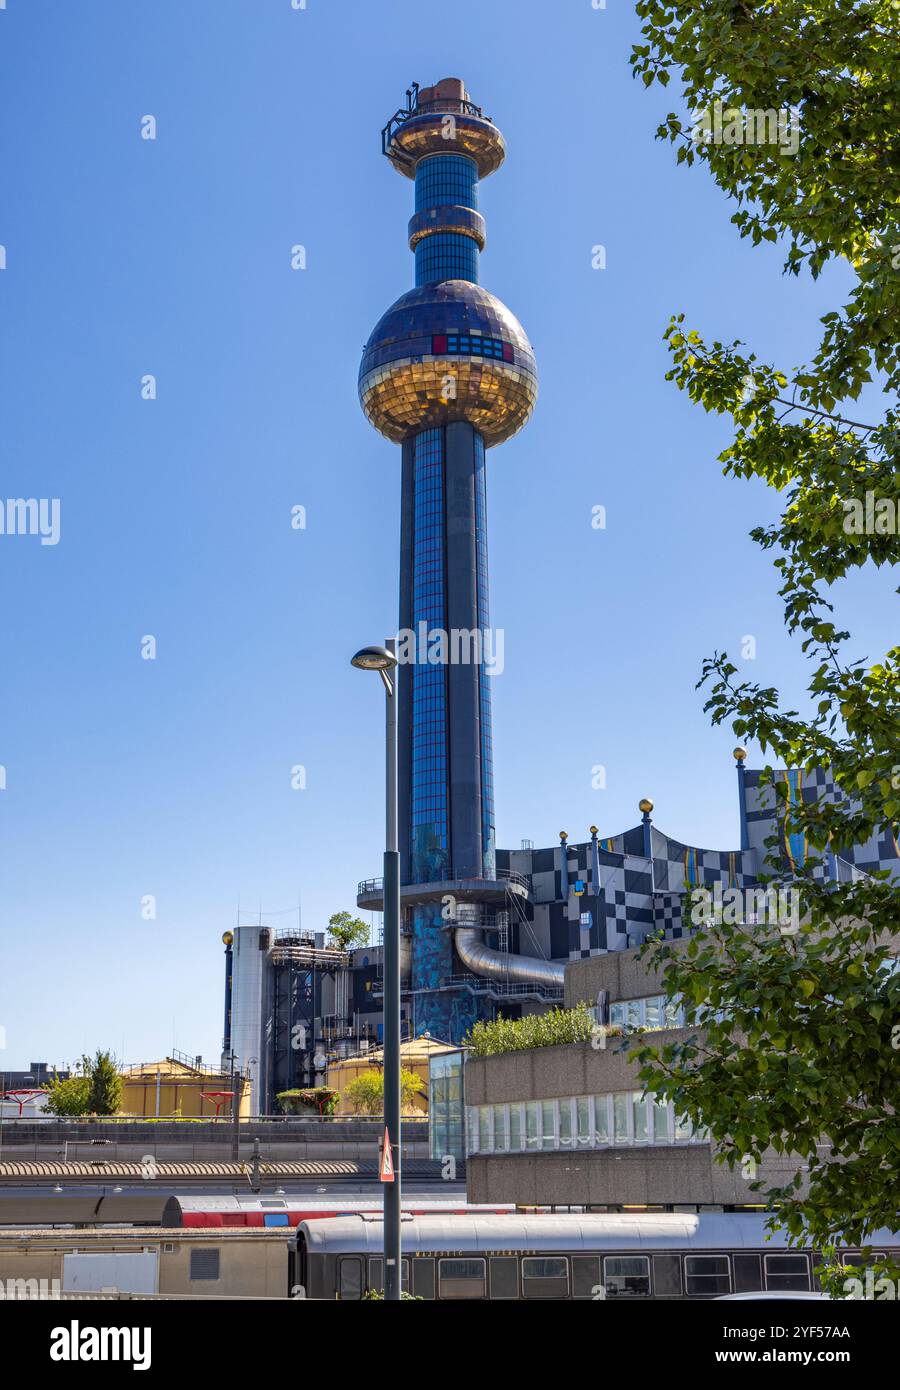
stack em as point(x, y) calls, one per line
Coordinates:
point(446, 756)
point(445, 182)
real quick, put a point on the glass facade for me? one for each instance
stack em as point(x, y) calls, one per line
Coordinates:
point(429, 837)
point(446, 256)
point(445, 1106)
point(446, 180)
point(484, 681)
point(615, 1120)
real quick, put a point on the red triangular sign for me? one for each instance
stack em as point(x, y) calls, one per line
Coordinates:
point(387, 1161)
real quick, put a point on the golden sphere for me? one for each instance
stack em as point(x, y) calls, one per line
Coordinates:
point(594, 830)
point(740, 754)
point(410, 380)
point(564, 834)
point(227, 937)
point(646, 805)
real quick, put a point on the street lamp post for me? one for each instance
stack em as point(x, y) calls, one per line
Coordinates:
point(383, 660)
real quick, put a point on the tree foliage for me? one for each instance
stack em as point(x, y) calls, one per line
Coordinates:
point(94, 1089)
point(814, 1058)
point(69, 1096)
point(105, 1095)
point(346, 931)
point(366, 1091)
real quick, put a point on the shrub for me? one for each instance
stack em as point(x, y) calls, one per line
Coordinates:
point(552, 1029)
point(319, 1098)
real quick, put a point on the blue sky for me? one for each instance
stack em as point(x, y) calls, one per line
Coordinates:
point(172, 778)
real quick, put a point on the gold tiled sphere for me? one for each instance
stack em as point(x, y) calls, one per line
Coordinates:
point(406, 386)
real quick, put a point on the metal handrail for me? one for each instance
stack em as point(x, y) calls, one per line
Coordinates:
point(452, 875)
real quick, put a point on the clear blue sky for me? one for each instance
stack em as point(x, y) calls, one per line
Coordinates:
point(126, 777)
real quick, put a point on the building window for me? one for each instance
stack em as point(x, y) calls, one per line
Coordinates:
point(566, 1133)
point(706, 1275)
point(204, 1265)
point(583, 1116)
point(461, 1279)
point(532, 1123)
point(620, 1117)
point(787, 1273)
point(601, 1121)
point(468, 344)
point(661, 1113)
point(651, 1013)
point(545, 1277)
point(627, 1276)
point(684, 1129)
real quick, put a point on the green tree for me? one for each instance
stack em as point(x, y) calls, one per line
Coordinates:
point(803, 1055)
point(70, 1096)
point(105, 1095)
point(346, 931)
point(366, 1092)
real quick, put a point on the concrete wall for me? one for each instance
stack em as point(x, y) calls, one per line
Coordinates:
point(681, 1175)
point(620, 972)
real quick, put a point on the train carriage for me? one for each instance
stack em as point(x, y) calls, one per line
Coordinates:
point(552, 1257)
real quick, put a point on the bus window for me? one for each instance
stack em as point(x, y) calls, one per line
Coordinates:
point(585, 1276)
point(706, 1275)
point(747, 1274)
point(376, 1279)
point(545, 1277)
point(504, 1276)
point(626, 1276)
point(350, 1277)
point(787, 1273)
point(462, 1279)
point(423, 1278)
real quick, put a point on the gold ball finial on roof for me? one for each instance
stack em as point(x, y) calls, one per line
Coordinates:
point(564, 834)
point(594, 830)
point(645, 805)
point(227, 937)
point(740, 753)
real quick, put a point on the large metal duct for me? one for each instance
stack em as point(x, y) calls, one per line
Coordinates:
point(482, 960)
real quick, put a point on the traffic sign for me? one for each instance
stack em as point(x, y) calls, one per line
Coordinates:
point(387, 1161)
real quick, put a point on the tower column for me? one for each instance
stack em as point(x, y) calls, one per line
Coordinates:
point(463, 679)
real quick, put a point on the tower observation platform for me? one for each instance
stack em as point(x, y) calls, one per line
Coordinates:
point(447, 373)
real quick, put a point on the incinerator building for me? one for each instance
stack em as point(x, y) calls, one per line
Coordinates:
point(447, 374)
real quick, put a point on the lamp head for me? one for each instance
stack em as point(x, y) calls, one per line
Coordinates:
point(374, 659)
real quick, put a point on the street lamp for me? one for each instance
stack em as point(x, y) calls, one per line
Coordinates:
point(383, 660)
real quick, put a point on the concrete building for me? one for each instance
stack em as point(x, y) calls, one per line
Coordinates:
point(570, 1126)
